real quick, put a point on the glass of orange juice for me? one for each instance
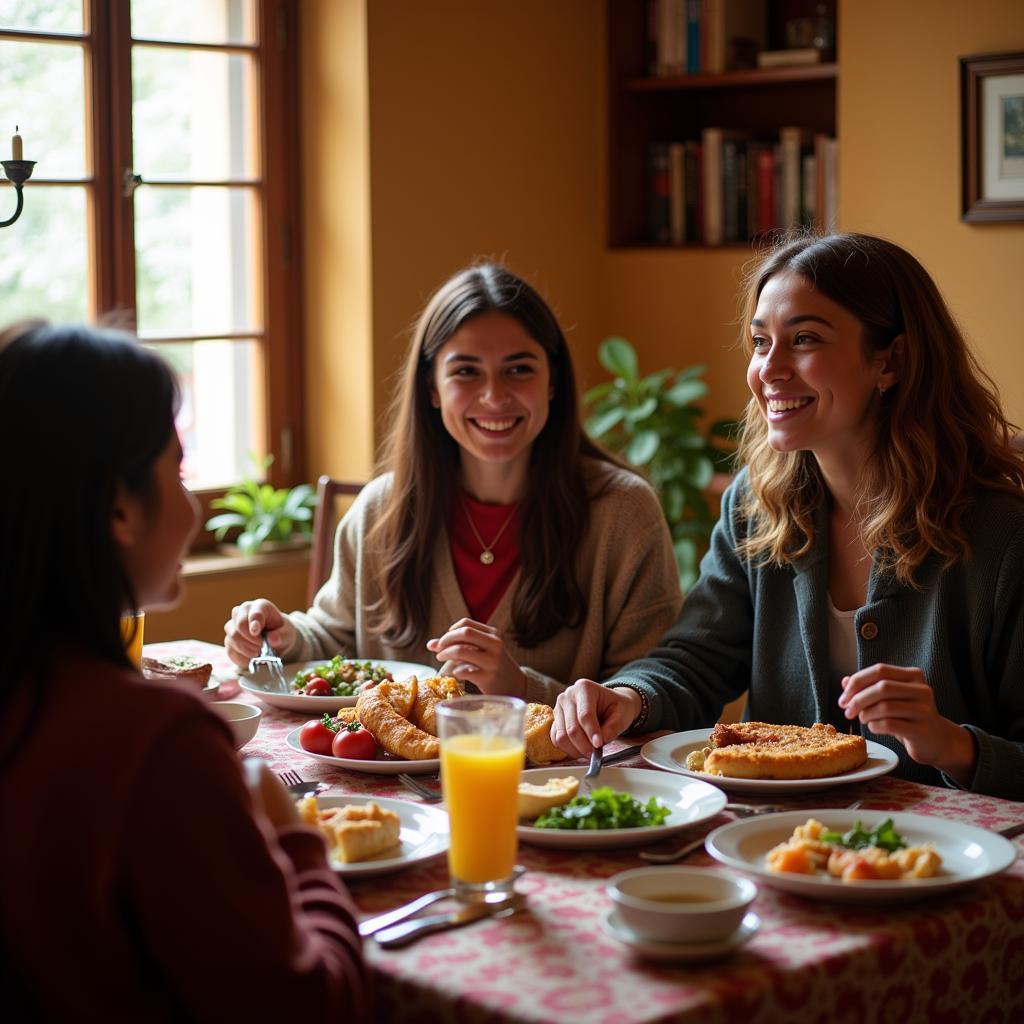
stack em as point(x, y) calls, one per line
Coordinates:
point(482, 748)
point(132, 627)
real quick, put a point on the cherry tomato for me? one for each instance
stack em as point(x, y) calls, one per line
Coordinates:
point(317, 687)
point(317, 736)
point(354, 741)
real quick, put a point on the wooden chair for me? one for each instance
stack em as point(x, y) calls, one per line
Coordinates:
point(325, 519)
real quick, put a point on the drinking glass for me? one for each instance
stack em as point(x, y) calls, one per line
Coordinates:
point(132, 628)
point(482, 748)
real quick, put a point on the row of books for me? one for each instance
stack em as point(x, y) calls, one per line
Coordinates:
point(726, 187)
point(689, 37)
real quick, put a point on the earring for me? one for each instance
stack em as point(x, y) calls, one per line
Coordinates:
point(881, 390)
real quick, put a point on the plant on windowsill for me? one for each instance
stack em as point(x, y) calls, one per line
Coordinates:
point(269, 518)
point(653, 423)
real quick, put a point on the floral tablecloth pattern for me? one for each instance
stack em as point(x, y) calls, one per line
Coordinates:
point(951, 959)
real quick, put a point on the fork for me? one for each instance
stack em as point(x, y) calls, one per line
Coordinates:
point(429, 794)
point(268, 660)
point(594, 769)
point(297, 785)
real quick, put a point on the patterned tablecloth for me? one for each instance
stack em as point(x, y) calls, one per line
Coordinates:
point(954, 958)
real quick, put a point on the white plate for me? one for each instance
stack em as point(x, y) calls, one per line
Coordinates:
point(385, 765)
point(694, 952)
point(968, 853)
point(689, 802)
point(423, 836)
point(669, 752)
point(318, 706)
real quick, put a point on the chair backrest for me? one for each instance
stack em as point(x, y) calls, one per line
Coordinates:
point(324, 521)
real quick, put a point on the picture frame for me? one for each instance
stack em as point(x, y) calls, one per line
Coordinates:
point(992, 137)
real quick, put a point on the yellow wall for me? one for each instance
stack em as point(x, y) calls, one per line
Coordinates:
point(340, 365)
point(483, 141)
point(899, 130)
point(210, 595)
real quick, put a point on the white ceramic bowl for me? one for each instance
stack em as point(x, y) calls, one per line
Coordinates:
point(244, 719)
point(676, 904)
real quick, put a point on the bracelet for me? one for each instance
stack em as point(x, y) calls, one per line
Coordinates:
point(645, 705)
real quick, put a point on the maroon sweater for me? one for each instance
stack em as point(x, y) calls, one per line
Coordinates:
point(135, 882)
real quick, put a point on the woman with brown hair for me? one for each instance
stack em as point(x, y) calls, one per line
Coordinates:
point(498, 537)
point(868, 567)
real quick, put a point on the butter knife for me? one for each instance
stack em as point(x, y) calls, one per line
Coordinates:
point(410, 931)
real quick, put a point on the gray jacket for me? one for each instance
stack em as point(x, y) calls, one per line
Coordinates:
point(766, 630)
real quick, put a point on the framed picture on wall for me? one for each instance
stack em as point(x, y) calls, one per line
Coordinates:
point(992, 137)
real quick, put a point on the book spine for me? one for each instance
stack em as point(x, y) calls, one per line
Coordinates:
point(658, 193)
point(693, 33)
point(789, 140)
point(809, 189)
point(651, 38)
point(691, 174)
point(730, 222)
point(714, 28)
point(831, 212)
point(765, 189)
point(743, 231)
point(711, 139)
point(677, 205)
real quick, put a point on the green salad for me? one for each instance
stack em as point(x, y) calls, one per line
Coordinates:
point(883, 835)
point(339, 677)
point(604, 808)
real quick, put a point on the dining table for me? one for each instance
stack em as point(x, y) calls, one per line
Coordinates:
point(950, 958)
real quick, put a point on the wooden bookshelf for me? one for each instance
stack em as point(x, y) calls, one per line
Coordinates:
point(643, 109)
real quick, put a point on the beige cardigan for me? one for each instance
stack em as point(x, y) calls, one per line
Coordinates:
point(625, 567)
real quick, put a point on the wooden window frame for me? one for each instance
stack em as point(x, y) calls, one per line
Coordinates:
point(109, 134)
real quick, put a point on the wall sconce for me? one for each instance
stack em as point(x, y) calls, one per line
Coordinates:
point(18, 171)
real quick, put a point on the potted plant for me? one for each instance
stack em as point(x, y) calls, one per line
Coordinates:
point(268, 517)
point(654, 424)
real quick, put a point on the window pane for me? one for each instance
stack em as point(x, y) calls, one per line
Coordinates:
point(43, 15)
point(222, 410)
point(195, 21)
point(193, 115)
point(42, 90)
point(45, 269)
point(197, 257)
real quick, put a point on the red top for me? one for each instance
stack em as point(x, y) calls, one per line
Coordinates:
point(193, 907)
point(483, 586)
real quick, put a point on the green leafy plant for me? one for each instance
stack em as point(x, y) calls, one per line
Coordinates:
point(265, 514)
point(654, 424)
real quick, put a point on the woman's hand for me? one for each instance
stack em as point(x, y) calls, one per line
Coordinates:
point(474, 652)
point(899, 702)
point(248, 620)
point(269, 794)
point(588, 715)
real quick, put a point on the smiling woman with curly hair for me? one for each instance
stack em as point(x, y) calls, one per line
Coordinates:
point(868, 567)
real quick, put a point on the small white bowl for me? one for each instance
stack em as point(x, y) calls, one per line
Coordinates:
point(244, 719)
point(675, 904)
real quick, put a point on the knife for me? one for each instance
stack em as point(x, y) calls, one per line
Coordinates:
point(403, 934)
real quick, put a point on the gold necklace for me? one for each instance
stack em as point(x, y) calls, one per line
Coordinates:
point(487, 555)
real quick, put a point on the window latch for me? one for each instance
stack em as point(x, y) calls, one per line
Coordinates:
point(130, 181)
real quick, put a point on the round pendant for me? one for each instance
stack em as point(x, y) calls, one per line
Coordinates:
point(486, 557)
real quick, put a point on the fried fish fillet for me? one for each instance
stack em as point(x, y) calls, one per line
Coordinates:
point(394, 732)
point(759, 750)
point(539, 748)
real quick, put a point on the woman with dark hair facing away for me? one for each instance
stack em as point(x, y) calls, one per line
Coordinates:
point(499, 537)
point(868, 567)
point(144, 879)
